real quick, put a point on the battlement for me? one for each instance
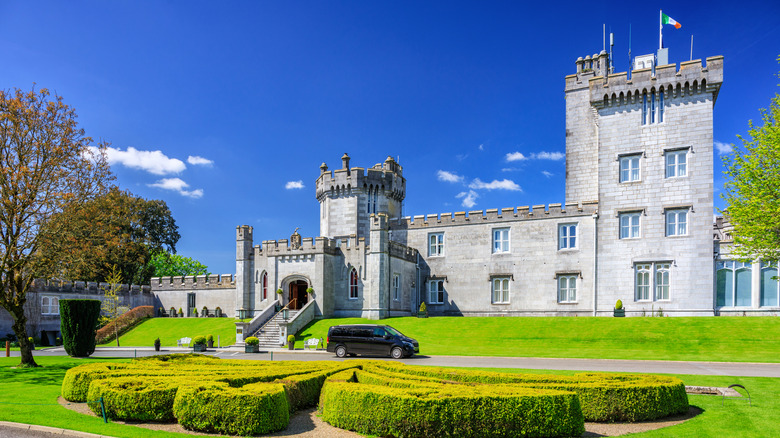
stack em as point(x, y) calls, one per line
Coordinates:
point(536, 212)
point(224, 281)
point(85, 287)
point(401, 251)
point(310, 246)
point(387, 176)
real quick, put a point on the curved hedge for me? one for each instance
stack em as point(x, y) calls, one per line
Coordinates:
point(372, 397)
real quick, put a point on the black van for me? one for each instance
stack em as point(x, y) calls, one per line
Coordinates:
point(370, 339)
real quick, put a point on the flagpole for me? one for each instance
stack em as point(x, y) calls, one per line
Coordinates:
point(660, 29)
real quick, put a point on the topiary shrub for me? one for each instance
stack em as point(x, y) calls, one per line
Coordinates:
point(423, 308)
point(200, 340)
point(252, 341)
point(78, 319)
point(209, 338)
point(127, 321)
point(618, 305)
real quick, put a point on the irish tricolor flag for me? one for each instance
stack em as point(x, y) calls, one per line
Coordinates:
point(665, 19)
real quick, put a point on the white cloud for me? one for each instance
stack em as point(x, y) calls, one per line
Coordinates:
point(547, 174)
point(723, 148)
point(469, 198)
point(481, 147)
point(461, 157)
point(504, 184)
point(510, 169)
point(516, 156)
point(294, 185)
point(199, 161)
point(177, 185)
point(443, 175)
point(154, 162)
point(555, 156)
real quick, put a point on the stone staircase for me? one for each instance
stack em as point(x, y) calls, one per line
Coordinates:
point(268, 334)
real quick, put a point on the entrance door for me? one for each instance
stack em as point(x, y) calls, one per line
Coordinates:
point(298, 297)
point(190, 304)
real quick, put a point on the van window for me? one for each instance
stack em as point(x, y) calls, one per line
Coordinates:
point(362, 332)
point(379, 332)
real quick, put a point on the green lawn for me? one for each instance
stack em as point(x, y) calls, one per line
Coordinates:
point(171, 329)
point(727, 339)
point(35, 393)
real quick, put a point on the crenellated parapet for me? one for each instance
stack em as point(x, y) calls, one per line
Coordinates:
point(511, 214)
point(401, 251)
point(83, 287)
point(224, 281)
point(387, 177)
point(311, 246)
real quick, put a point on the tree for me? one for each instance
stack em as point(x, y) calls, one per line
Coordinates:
point(753, 191)
point(119, 229)
point(46, 164)
point(169, 265)
point(78, 319)
point(110, 307)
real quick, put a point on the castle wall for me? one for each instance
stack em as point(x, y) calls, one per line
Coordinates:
point(210, 291)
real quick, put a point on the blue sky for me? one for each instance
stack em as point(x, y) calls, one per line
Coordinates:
point(230, 107)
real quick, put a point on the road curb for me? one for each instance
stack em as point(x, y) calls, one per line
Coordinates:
point(52, 430)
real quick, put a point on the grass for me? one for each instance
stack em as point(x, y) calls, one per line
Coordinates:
point(35, 393)
point(719, 339)
point(169, 330)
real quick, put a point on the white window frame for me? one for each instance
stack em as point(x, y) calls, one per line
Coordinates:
point(436, 291)
point(653, 107)
point(676, 163)
point(435, 244)
point(501, 244)
point(50, 305)
point(567, 236)
point(500, 290)
point(630, 225)
point(567, 288)
point(735, 267)
point(652, 281)
point(662, 280)
point(643, 275)
point(630, 165)
point(676, 223)
point(396, 287)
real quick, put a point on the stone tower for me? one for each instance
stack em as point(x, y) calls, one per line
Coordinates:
point(349, 196)
point(244, 267)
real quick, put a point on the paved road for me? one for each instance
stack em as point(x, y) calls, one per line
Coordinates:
point(643, 366)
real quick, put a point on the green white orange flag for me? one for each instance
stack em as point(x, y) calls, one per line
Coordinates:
point(665, 19)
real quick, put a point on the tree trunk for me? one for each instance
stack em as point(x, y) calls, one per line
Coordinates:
point(20, 330)
point(116, 330)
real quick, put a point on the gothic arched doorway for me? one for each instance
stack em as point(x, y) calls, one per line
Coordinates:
point(297, 296)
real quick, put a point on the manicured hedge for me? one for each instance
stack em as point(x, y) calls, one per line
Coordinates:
point(124, 323)
point(78, 319)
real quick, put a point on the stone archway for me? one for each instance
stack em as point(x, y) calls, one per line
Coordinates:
point(295, 296)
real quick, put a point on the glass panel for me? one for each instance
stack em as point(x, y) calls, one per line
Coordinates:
point(669, 165)
point(743, 279)
point(681, 164)
point(505, 290)
point(644, 109)
point(661, 106)
point(725, 290)
point(768, 286)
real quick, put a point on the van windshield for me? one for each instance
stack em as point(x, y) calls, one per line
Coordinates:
point(393, 331)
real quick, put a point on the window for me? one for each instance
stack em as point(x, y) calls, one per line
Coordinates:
point(50, 306)
point(733, 283)
point(660, 106)
point(567, 288)
point(353, 284)
point(770, 293)
point(501, 240)
point(501, 290)
point(677, 222)
point(435, 291)
point(629, 168)
point(652, 107)
point(629, 225)
point(676, 164)
point(396, 287)
point(567, 236)
point(265, 285)
point(376, 198)
point(645, 282)
point(436, 244)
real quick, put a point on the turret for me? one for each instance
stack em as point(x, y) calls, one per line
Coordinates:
point(244, 268)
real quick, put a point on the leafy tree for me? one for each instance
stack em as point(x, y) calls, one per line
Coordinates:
point(110, 307)
point(117, 229)
point(166, 265)
point(753, 191)
point(46, 164)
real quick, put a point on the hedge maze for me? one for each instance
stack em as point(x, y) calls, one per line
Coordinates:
point(371, 397)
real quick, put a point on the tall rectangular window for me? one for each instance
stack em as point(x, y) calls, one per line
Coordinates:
point(501, 290)
point(662, 281)
point(629, 168)
point(396, 287)
point(629, 225)
point(770, 292)
point(435, 291)
point(567, 288)
point(353, 284)
point(642, 281)
point(500, 240)
point(677, 222)
point(644, 108)
point(436, 244)
point(652, 107)
point(733, 284)
point(661, 106)
point(567, 236)
point(676, 163)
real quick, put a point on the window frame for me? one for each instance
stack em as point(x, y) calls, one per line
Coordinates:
point(264, 284)
point(353, 289)
point(52, 307)
point(565, 237)
point(505, 241)
point(675, 226)
point(630, 170)
point(676, 166)
point(771, 268)
point(439, 292)
point(436, 249)
point(502, 294)
point(567, 294)
point(630, 227)
point(733, 267)
point(653, 288)
point(396, 287)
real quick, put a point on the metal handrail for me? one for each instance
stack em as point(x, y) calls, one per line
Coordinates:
point(288, 304)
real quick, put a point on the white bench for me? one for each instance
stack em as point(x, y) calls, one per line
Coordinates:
point(184, 341)
point(311, 343)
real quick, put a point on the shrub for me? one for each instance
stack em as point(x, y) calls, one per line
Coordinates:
point(204, 311)
point(172, 312)
point(210, 338)
point(290, 339)
point(423, 309)
point(310, 291)
point(124, 323)
point(279, 291)
point(181, 313)
point(199, 340)
point(77, 324)
point(218, 312)
point(618, 305)
point(252, 341)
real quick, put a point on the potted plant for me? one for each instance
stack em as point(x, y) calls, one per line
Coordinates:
point(157, 344)
point(161, 312)
point(619, 310)
point(218, 312)
point(310, 292)
point(252, 345)
point(279, 291)
point(204, 312)
point(199, 344)
point(291, 342)
point(210, 341)
point(181, 313)
point(423, 312)
point(173, 312)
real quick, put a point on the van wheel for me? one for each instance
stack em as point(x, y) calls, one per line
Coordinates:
point(341, 351)
point(397, 353)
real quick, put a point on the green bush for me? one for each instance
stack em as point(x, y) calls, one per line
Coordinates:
point(78, 319)
point(252, 341)
point(129, 398)
point(618, 305)
point(210, 338)
point(423, 309)
point(124, 323)
point(199, 340)
point(290, 339)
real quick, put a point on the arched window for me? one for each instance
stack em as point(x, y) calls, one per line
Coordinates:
point(376, 194)
point(265, 285)
point(369, 201)
point(353, 284)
